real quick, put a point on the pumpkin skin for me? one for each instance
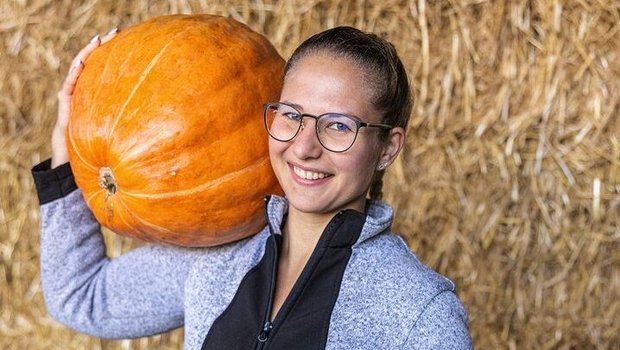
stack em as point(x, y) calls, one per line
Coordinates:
point(166, 138)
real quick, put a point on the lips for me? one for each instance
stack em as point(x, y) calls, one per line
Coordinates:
point(308, 174)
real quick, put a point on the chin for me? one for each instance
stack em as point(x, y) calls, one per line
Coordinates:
point(316, 206)
point(306, 206)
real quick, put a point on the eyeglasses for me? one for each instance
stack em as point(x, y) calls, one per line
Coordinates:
point(336, 132)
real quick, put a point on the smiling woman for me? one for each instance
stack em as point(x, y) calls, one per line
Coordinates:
point(345, 179)
point(325, 273)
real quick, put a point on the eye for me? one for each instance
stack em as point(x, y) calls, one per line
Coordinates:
point(291, 116)
point(339, 126)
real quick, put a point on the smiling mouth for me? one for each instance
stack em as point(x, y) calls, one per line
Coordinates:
point(309, 175)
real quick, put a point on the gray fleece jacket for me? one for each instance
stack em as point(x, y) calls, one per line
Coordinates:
point(380, 297)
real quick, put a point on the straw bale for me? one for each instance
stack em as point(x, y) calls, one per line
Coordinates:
point(509, 184)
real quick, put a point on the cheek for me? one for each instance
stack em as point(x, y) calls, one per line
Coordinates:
point(363, 165)
point(360, 165)
point(275, 148)
point(367, 155)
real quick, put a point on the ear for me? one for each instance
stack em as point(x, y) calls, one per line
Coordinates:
point(391, 147)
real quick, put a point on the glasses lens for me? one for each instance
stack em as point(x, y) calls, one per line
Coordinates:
point(282, 121)
point(337, 132)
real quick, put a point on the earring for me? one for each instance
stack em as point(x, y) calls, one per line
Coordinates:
point(382, 166)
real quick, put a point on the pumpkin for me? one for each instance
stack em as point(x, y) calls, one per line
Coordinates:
point(166, 139)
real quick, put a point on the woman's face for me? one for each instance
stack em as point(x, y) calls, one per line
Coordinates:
point(314, 179)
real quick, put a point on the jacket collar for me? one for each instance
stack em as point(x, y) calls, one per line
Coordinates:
point(378, 217)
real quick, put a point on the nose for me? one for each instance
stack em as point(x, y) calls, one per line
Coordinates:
point(306, 144)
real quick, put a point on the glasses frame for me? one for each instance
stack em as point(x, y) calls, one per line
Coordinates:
point(356, 120)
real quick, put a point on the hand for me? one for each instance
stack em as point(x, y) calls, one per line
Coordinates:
point(59, 146)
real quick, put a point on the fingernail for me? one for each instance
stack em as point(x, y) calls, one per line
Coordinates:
point(95, 38)
point(75, 66)
point(113, 31)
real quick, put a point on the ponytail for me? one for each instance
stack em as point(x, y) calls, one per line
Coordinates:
point(376, 186)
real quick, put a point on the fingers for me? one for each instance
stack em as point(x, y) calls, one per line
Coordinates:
point(95, 42)
point(59, 148)
point(77, 65)
point(86, 51)
point(69, 84)
point(111, 34)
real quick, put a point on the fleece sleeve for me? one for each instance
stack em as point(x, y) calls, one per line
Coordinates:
point(442, 325)
point(137, 294)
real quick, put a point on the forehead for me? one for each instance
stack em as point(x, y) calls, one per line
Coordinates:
point(322, 82)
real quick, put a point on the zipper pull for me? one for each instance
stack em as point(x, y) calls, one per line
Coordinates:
point(264, 334)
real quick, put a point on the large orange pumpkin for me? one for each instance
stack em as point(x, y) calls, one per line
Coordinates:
point(166, 138)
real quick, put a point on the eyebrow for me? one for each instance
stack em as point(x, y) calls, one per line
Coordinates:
point(302, 110)
point(293, 104)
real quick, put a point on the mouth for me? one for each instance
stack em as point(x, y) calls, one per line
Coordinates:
point(309, 174)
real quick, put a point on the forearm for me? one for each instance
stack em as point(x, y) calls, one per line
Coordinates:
point(137, 294)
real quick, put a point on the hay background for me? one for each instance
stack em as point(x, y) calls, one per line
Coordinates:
point(510, 183)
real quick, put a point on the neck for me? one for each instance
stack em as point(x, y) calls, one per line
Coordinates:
point(301, 233)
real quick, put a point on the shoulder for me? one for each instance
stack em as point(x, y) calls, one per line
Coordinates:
point(442, 325)
point(384, 256)
point(232, 257)
point(386, 291)
point(387, 260)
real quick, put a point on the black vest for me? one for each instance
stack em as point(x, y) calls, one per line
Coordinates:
point(303, 320)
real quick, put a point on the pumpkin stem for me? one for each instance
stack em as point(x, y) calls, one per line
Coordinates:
point(107, 180)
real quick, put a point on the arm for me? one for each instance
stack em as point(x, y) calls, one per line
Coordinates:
point(442, 325)
point(137, 294)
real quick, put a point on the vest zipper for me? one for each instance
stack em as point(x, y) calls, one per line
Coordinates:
point(315, 257)
point(263, 335)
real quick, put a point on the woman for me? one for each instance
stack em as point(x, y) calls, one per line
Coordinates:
point(326, 272)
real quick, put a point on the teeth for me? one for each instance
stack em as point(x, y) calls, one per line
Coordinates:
point(309, 175)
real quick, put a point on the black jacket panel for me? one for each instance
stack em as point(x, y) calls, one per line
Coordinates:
point(303, 320)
